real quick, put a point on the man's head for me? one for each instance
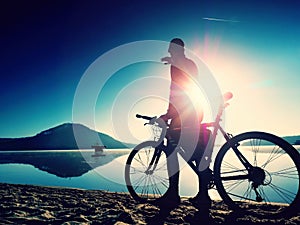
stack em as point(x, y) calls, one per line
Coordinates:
point(176, 47)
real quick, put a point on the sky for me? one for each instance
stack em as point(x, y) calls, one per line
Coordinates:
point(48, 49)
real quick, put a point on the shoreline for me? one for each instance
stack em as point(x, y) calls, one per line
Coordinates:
point(29, 204)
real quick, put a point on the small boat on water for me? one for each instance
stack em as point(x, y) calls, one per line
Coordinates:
point(98, 150)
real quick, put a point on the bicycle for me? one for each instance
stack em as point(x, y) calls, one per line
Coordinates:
point(252, 167)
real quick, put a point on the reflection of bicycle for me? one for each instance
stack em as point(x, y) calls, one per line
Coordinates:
point(252, 167)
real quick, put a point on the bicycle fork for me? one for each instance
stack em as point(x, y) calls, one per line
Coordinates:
point(154, 161)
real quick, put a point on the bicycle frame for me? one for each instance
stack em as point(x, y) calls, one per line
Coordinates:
point(205, 161)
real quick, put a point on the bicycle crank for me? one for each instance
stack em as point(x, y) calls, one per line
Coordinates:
point(257, 175)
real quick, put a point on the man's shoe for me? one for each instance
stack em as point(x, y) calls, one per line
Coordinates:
point(201, 201)
point(168, 200)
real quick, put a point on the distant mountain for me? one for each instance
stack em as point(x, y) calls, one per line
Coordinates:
point(294, 140)
point(62, 137)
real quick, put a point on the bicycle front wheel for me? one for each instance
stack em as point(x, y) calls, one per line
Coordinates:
point(270, 185)
point(146, 173)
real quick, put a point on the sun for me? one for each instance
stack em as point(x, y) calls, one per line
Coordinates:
point(198, 97)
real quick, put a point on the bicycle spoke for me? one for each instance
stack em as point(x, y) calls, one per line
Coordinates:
point(290, 172)
point(233, 186)
point(142, 183)
point(275, 154)
point(163, 181)
point(247, 193)
point(263, 194)
point(156, 191)
point(272, 161)
point(138, 181)
point(147, 152)
point(152, 185)
point(232, 172)
point(162, 167)
point(142, 188)
point(155, 188)
point(136, 171)
point(286, 195)
point(159, 178)
point(255, 143)
point(241, 197)
point(146, 173)
point(140, 160)
point(146, 187)
point(148, 182)
point(229, 166)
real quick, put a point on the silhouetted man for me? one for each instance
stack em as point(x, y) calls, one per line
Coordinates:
point(185, 115)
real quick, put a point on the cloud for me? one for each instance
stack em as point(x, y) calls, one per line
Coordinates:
point(220, 20)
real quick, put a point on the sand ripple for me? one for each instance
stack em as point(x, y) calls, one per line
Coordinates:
point(26, 204)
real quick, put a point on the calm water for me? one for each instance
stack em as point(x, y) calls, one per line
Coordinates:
point(78, 169)
point(64, 168)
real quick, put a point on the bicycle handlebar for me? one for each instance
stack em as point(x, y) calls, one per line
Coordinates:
point(144, 117)
point(158, 121)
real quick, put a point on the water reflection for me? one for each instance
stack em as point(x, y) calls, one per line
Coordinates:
point(81, 170)
point(61, 163)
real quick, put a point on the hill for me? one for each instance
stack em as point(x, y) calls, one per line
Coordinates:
point(293, 139)
point(62, 137)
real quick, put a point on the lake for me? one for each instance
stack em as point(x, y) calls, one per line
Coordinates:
point(75, 169)
point(79, 169)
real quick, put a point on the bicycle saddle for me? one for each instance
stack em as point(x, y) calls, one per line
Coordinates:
point(227, 96)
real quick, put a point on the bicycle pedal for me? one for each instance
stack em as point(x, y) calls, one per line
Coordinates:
point(211, 185)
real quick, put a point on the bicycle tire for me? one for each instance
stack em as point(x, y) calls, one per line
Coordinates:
point(142, 185)
point(279, 182)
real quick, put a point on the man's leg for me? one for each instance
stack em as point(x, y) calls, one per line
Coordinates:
point(204, 179)
point(203, 201)
point(171, 198)
point(205, 175)
point(202, 198)
point(173, 171)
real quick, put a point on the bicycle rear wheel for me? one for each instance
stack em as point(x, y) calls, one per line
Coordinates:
point(146, 178)
point(272, 183)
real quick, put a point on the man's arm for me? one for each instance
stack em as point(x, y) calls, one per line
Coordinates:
point(171, 113)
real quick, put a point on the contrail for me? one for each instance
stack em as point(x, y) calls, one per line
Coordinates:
point(220, 20)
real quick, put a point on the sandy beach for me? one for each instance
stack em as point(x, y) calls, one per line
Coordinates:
point(27, 204)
